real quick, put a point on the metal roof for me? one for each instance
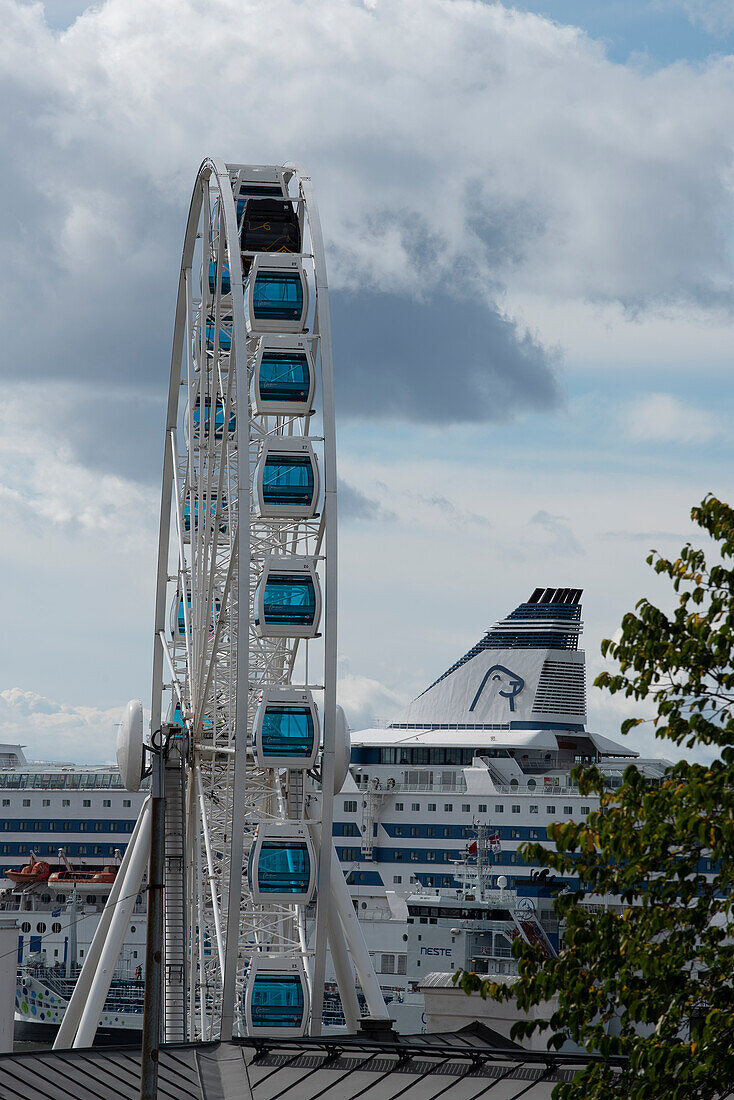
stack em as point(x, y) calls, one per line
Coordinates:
point(376, 1064)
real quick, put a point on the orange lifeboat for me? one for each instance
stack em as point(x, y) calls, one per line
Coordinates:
point(35, 871)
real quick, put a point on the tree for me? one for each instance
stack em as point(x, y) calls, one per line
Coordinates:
point(662, 959)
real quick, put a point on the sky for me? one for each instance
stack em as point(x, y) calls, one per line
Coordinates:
point(527, 212)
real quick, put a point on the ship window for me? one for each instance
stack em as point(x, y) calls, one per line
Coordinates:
point(40, 927)
point(285, 378)
point(414, 830)
point(26, 801)
point(432, 806)
point(550, 809)
point(466, 808)
point(278, 296)
point(415, 807)
point(482, 807)
point(568, 810)
point(584, 810)
point(46, 802)
point(531, 784)
point(499, 809)
point(6, 802)
point(350, 807)
point(126, 803)
point(397, 854)
point(516, 809)
point(277, 1001)
point(86, 802)
point(289, 598)
point(533, 809)
point(430, 856)
point(398, 830)
point(533, 834)
point(288, 731)
point(25, 926)
point(398, 805)
point(430, 831)
point(56, 927)
point(397, 878)
point(447, 830)
point(66, 802)
point(415, 856)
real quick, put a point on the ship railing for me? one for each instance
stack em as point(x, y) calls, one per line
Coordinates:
point(397, 787)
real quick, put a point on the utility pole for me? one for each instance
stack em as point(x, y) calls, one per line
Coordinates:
point(154, 931)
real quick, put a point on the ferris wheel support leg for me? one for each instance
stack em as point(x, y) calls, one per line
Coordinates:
point(70, 1022)
point(338, 945)
point(118, 926)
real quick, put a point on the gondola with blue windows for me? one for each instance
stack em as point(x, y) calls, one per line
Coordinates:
point(282, 864)
point(178, 617)
point(276, 297)
point(211, 510)
point(202, 425)
point(224, 338)
point(285, 733)
point(287, 478)
point(288, 599)
point(226, 286)
point(283, 377)
point(276, 1000)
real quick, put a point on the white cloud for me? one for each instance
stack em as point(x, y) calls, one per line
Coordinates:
point(662, 418)
point(715, 16)
point(453, 143)
point(365, 700)
point(58, 731)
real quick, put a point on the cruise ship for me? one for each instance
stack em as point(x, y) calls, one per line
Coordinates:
point(481, 760)
point(488, 748)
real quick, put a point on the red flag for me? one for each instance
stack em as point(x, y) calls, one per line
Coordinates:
point(472, 848)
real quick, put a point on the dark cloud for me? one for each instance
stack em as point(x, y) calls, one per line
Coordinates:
point(354, 505)
point(440, 360)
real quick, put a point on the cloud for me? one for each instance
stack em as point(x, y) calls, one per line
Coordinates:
point(58, 731)
point(662, 418)
point(438, 360)
point(354, 505)
point(365, 700)
point(462, 150)
point(715, 16)
point(558, 536)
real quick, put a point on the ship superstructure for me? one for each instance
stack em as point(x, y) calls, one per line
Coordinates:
point(487, 749)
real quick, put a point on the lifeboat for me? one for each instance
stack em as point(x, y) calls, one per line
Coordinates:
point(35, 871)
point(91, 879)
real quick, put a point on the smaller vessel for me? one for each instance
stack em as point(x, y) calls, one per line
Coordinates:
point(90, 877)
point(36, 870)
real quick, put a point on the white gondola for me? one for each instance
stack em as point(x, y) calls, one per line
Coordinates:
point(288, 599)
point(276, 998)
point(281, 868)
point(287, 478)
point(283, 376)
point(286, 731)
point(276, 295)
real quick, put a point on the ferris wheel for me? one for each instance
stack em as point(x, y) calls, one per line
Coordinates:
point(244, 669)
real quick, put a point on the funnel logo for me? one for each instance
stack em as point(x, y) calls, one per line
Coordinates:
point(508, 684)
